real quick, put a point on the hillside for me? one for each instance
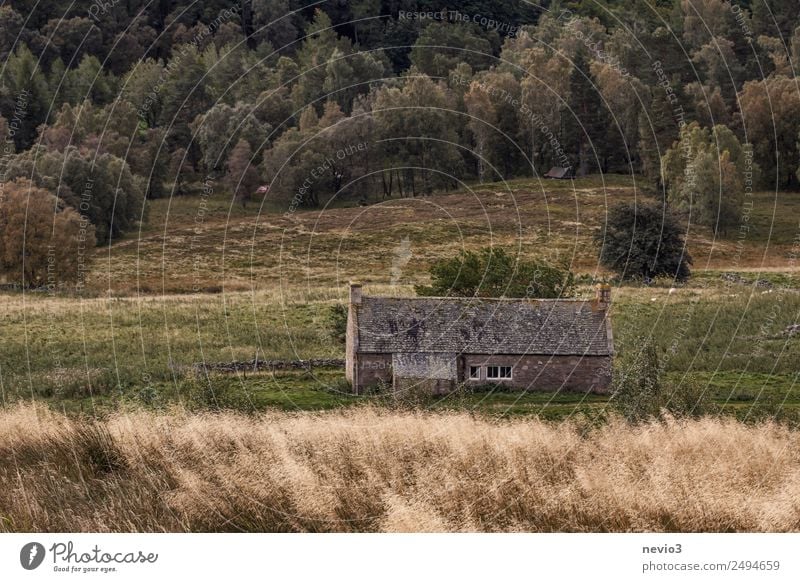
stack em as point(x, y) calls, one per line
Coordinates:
point(210, 243)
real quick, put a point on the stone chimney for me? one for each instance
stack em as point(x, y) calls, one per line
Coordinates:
point(355, 293)
point(603, 295)
point(351, 343)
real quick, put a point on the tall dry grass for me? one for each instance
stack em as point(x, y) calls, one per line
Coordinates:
point(368, 470)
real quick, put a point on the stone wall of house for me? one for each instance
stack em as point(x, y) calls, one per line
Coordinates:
point(371, 369)
point(540, 373)
point(546, 373)
point(351, 337)
point(350, 358)
point(434, 366)
point(409, 387)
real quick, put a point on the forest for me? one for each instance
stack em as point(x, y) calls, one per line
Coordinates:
point(107, 104)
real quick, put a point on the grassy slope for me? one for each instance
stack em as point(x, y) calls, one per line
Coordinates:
point(280, 274)
point(207, 244)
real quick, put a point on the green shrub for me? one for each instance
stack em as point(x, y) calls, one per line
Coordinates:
point(637, 389)
point(211, 394)
point(339, 386)
point(641, 392)
point(642, 241)
point(492, 272)
point(689, 398)
point(337, 322)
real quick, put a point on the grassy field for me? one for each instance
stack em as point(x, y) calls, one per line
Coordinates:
point(205, 281)
point(373, 470)
point(208, 244)
point(85, 354)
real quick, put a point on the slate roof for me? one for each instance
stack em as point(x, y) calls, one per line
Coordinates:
point(558, 173)
point(482, 326)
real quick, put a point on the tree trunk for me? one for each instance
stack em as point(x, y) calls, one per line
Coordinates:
point(533, 148)
point(247, 23)
point(387, 186)
point(481, 169)
point(583, 159)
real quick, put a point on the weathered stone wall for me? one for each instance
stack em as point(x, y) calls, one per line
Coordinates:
point(256, 365)
point(351, 345)
point(370, 369)
point(426, 365)
point(547, 373)
point(539, 373)
point(410, 387)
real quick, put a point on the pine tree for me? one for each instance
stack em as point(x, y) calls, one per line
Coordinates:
point(586, 122)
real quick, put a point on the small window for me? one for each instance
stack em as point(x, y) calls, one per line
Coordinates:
point(498, 372)
point(474, 372)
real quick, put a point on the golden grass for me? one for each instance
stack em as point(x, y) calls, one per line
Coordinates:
point(367, 470)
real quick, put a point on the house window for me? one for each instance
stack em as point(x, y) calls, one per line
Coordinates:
point(498, 372)
point(474, 372)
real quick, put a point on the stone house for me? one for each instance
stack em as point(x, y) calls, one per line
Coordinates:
point(437, 343)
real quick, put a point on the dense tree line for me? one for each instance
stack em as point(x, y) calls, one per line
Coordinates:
point(395, 98)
